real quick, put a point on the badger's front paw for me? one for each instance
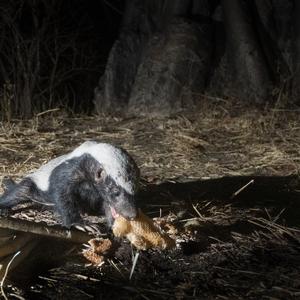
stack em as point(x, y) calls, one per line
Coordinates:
point(86, 227)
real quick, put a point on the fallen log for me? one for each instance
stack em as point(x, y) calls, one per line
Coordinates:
point(27, 238)
point(55, 231)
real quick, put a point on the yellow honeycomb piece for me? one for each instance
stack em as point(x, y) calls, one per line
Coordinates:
point(142, 233)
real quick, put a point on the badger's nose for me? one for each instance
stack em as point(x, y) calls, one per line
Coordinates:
point(130, 213)
point(126, 206)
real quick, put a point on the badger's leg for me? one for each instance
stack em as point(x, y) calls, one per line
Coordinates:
point(69, 213)
point(66, 206)
point(17, 193)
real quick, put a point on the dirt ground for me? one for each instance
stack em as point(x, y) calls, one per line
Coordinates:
point(232, 243)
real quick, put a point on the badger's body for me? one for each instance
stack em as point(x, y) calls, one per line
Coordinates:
point(93, 177)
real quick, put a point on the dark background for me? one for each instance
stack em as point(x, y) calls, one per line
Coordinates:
point(146, 57)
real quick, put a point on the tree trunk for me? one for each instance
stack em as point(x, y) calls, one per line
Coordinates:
point(251, 74)
point(296, 69)
point(171, 52)
point(174, 68)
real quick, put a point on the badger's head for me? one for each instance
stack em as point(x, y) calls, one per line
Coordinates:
point(115, 177)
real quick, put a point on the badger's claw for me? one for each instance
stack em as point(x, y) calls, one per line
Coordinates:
point(79, 227)
point(89, 228)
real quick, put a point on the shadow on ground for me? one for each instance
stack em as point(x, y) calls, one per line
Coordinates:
point(265, 192)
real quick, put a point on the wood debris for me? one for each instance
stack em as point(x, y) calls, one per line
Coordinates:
point(97, 252)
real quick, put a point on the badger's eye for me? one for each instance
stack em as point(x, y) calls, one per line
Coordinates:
point(115, 192)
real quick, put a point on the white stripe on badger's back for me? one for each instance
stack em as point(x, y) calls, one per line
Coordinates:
point(114, 160)
point(41, 177)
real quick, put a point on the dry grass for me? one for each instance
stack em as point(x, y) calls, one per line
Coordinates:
point(194, 146)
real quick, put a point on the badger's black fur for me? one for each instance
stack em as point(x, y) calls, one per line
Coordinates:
point(92, 178)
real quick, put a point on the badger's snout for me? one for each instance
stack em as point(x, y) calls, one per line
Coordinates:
point(125, 206)
point(129, 213)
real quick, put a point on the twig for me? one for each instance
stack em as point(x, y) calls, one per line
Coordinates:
point(273, 227)
point(198, 212)
point(47, 111)
point(115, 266)
point(17, 296)
point(241, 189)
point(278, 216)
point(5, 274)
point(134, 264)
point(270, 218)
point(41, 203)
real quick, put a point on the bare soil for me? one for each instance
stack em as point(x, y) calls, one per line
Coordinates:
point(232, 243)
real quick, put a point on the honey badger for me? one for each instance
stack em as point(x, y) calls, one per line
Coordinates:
point(94, 177)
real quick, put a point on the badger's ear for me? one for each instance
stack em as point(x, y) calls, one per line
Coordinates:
point(100, 175)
